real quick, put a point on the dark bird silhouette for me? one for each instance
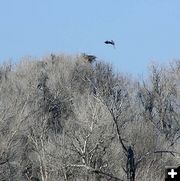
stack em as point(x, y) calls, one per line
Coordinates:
point(89, 58)
point(130, 166)
point(110, 42)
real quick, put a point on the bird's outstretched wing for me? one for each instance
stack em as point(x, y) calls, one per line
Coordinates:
point(110, 42)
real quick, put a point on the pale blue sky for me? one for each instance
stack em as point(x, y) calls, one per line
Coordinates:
point(143, 30)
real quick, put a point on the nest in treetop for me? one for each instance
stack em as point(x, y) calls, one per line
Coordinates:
point(89, 58)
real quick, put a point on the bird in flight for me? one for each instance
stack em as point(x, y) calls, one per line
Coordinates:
point(110, 42)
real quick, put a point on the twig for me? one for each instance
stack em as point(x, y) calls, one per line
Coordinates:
point(96, 171)
point(158, 151)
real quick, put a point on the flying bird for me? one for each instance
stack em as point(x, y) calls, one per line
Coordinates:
point(110, 42)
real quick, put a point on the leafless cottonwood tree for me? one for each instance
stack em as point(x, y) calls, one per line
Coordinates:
point(64, 119)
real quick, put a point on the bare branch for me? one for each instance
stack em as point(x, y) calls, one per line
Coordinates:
point(96, 171)
point(158, 151)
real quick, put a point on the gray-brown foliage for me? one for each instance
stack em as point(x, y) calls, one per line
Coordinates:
point(62, 118)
